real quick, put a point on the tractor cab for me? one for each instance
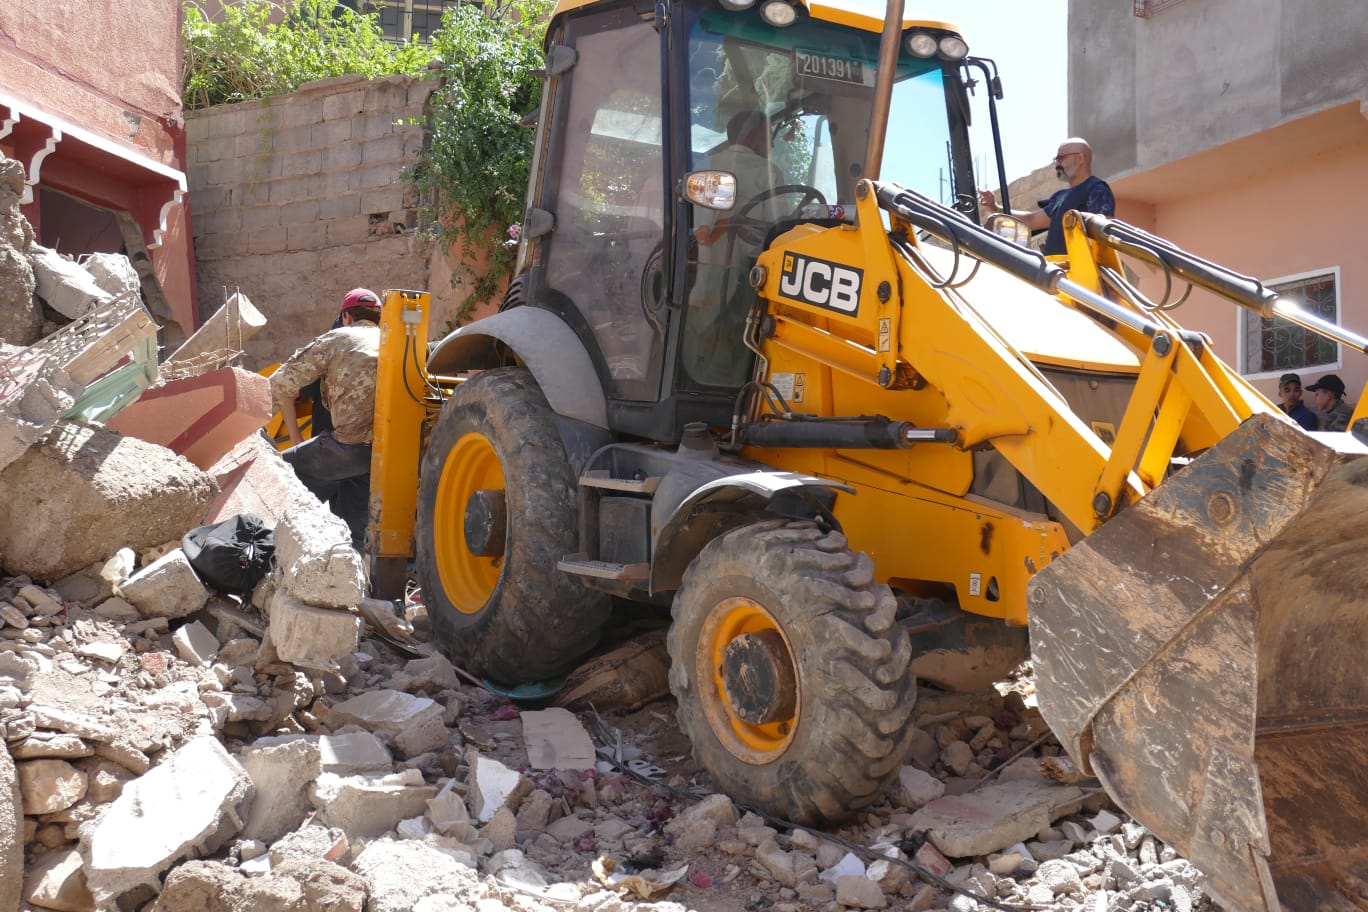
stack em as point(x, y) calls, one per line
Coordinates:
point(676, 140)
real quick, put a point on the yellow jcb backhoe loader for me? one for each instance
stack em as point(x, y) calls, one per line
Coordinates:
point(752, 370)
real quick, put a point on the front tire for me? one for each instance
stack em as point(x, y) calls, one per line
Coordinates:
point(791, 675)
point(497, 509)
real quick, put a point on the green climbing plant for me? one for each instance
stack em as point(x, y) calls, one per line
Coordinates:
point(255, 49)
point(472, 175)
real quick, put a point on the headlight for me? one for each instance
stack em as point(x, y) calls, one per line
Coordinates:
point(920, 44)
point(737, 5)
point(778, 13)
point(953, 47)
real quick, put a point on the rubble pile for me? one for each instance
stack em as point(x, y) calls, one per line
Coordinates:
point(176, 762)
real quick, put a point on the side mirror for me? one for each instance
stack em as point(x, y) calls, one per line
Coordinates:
point(1009, 227)
point(711, 189)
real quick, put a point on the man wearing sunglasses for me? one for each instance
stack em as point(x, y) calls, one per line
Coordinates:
point(1086, 193)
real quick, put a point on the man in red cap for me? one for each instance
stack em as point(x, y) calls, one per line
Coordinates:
point(335, 465)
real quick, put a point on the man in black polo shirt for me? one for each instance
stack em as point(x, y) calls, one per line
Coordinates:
point(1086, 193)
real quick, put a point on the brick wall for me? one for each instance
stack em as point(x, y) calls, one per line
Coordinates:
point(299, 198)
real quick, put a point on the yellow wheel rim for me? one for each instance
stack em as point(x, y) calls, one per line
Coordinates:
point(468, 579)
point(749, 742)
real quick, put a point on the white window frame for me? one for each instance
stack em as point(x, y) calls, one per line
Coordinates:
point(1327, 367)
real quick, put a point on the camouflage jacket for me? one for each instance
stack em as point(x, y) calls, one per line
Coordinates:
point(345, 358)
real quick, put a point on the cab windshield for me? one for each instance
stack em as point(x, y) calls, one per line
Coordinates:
point(787, 112)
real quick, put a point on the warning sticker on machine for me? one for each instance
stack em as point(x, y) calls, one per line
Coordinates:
point(790, 385)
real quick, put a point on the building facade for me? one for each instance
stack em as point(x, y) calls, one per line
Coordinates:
point(1238, 129)
point(90, 104)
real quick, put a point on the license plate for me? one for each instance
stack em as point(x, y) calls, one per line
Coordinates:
point(825, 66)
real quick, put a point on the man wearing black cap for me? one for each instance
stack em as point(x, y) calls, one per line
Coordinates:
point(1290, 392)
point(1334, 411)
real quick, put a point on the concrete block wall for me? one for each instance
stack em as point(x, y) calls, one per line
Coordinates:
point(296, 199)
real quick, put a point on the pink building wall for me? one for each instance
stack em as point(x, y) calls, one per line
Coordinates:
point(1271, 207)
point(90, 105)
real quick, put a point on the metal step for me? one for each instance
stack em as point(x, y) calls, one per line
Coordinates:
point(627, 573)
point(599, 478)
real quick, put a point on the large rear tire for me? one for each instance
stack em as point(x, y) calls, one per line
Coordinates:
point(497, 509)
point(791, 675)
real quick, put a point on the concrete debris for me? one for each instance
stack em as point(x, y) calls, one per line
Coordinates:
point(65, 285)
point(364, 806)
point(202, 417)
point(296, 885)
point(196, 644)
point(995, 816)
point(191, 802)
point(310, 636)
point(11, 827)
point(402, 873)
point(57, 881)
point(493, 786)
point(555, 739)
point(221, 336)
point(20, 315)
point(83, 488)
point(252, 478)
point(166, 588)
point(50, 785)
point(317, 563)
point(411, 725)
point(113, 273)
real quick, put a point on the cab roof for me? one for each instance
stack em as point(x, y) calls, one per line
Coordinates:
point(867, 15)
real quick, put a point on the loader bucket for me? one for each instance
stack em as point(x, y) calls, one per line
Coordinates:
point(1204, 654)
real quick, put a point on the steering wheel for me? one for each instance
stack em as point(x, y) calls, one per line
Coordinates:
point(810, 195)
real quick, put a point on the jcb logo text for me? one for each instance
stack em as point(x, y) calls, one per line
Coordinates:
point(820, 283)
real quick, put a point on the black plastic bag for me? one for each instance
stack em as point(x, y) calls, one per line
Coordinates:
point(232, 555)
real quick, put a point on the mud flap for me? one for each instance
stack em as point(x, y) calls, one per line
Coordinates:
point(1203, 652)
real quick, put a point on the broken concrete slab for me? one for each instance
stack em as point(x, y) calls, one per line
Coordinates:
point(252, 478)
point(166, 588)
point(916, 788)
point(402, 873)
point(995, 816)
point(555, 739)
point(201, 417)
point(221, 336)
point(191, 802)
point(84, 490)
point(363, 806)
point(37, 393)
point(310, 636)
point(114, 273)
point(316, 560)
point(57, 881)
point(63, 284)
point(20, 315)
point(11, 831)
point(353, 752)
point(412, 725)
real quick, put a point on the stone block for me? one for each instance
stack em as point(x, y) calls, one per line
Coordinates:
point(168, 588)
point(401, 873)
point(362, 806)
point(190, 803)
point(57, 881)
point(353, 752)
point(84, 491)
point(994, 817)
point(200, 417)
point(296, 884)
point(50, 785)
point(412, 725)
point(309, 636)
point(916, 788)
point(196, 644)
point(281, 772)
point(316, 559)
